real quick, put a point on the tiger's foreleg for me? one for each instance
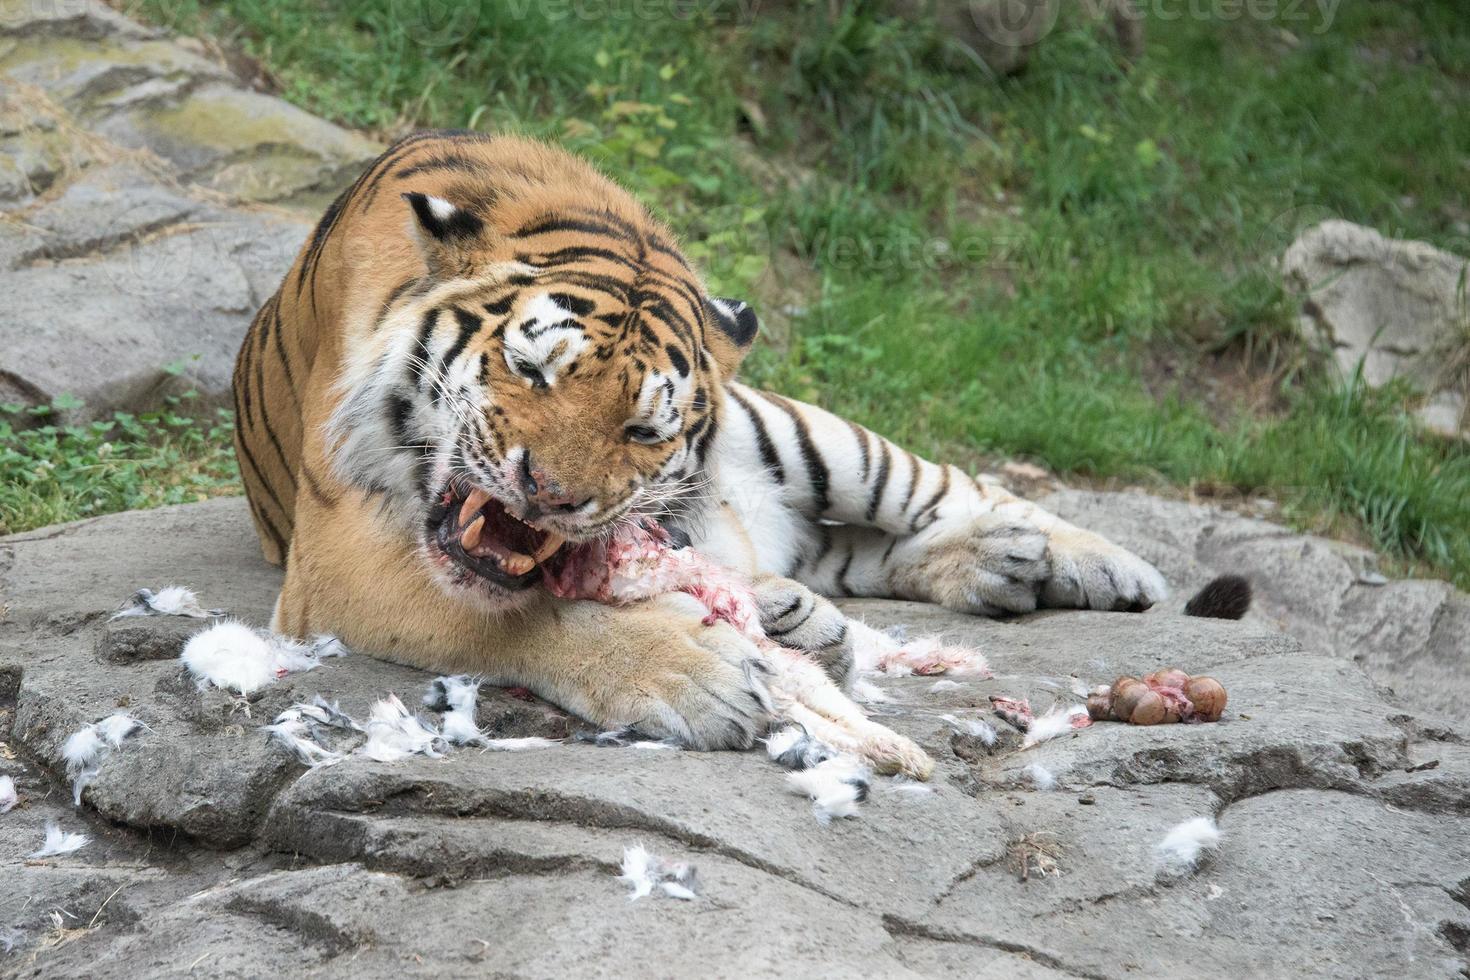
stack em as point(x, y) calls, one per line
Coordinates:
point(888, 523)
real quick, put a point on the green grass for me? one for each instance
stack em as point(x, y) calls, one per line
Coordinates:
point(982, 266)
point(56, 472)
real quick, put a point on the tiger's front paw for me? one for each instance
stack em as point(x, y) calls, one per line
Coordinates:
point(1090, 572)
point(988, 567)
point(701, 686)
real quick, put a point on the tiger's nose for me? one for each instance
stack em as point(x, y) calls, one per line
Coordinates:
point(543, 493)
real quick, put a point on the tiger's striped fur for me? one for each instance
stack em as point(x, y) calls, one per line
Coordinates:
point(492, 312)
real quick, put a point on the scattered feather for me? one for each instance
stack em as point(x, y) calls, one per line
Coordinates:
point(975, 727)
point(84, 749)
point(234, 656)
point(793, 748)
point(1057, 721)
point(620, 738)
point(526, 744)
point(59, 841)
point(8, 796)
point(674, 889)
point(1040, 776)
point(395, 733)
point(1185, 844)
point(643, 871)
point(938, 686)
point(172, 600)
point(458, 693)
point(459, 728)
point(1080, 688)
point(330, 714)
point(325, 645)
point(835, 787)
point(116, 727)
point(295, 735)
point(456, 697)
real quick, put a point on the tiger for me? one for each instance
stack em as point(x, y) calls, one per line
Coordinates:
point(486, 354)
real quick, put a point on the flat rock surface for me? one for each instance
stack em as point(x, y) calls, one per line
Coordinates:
point(216, 853)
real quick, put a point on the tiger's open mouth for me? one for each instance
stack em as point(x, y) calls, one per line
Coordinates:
point(477, 533)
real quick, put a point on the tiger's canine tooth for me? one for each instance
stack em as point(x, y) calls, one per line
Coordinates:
point(548, 548)
point(471, 535)
point(518, 564)
point(477, 498)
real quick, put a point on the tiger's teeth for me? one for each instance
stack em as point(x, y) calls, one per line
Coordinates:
point(471, 536)
point(472, 504)
point(548, 548)
point(518, 564)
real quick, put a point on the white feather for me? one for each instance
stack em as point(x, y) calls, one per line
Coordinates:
point(1040, 776)
point(983, 730)
point(293, 734)
point(8, 796)
point(116, 727)
point(655, 746)
point(394, 733)
point(519, 744)
point(229, 655)
point(1180, 851)
point(835, 787)
point(459, 728)
point(236, 657)
point(82, 749)
point(59, 842)
point(1057, 721)
point(642, 871)
point(939, 686)
point(171, 600)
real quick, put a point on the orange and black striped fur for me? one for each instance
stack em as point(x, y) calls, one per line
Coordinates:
point(490, 319)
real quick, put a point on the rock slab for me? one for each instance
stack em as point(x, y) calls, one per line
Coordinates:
point(149, 203)
point(1395, 307)
point(215, 853)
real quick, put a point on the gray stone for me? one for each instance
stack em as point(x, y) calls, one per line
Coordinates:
point(124, 158)
point(243, 143)
point(1412, 636)
point(156, 312)
point(1395, 307)
point(216, 853)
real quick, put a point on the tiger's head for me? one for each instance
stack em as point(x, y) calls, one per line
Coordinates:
point(555, 370)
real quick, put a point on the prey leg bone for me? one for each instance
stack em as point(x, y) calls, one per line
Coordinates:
point(801, 692)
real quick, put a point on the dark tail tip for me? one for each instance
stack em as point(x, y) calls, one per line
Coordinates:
point(1226, 597)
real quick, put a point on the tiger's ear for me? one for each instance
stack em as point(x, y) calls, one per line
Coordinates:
point(447, 234)
point(735, 328)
